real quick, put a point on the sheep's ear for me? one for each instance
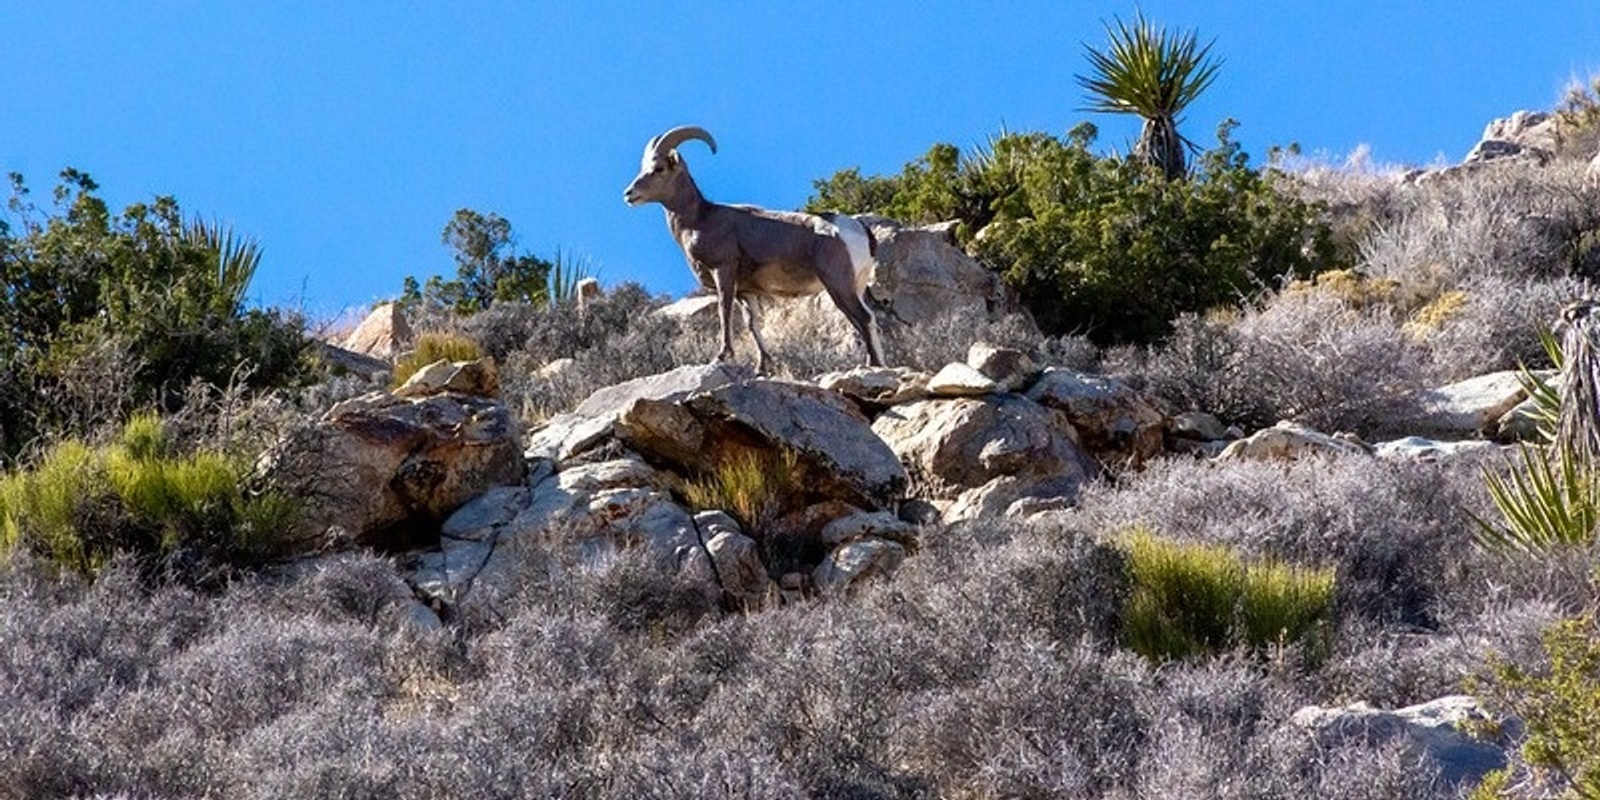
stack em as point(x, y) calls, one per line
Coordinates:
point(674, 159)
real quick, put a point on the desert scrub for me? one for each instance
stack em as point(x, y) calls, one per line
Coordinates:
point(81, 505)
point(436, 346)
point(1196, 599)
point(1306, 355)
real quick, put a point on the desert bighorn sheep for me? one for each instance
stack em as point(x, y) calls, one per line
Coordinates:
point(750, 253)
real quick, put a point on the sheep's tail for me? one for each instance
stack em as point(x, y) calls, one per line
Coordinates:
point(861, 244)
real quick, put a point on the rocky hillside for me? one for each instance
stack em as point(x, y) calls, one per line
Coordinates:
point(1245, 562)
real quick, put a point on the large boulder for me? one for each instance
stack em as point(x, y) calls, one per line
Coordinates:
point(384, 333)
point(385, 470)
point(1115, 423)
point(856, 561)
point(732, 562)
point(923, 276)
point(952, 445)
point(834, 445)
point(1527, 135)
point(595, 508)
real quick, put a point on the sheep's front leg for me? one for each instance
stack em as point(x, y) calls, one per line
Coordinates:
point(725, 297)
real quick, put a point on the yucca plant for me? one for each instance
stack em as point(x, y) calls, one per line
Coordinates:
point(1155, 73)
point(1551, 496)
point(566, 272)
point(1546, 413)
point(1546, 500)
point(236, 259)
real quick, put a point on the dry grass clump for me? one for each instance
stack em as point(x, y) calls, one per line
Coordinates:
point(435, 346)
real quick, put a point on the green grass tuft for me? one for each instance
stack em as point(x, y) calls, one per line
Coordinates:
point(1192, 600)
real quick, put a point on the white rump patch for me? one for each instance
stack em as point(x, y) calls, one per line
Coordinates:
point(859, 244)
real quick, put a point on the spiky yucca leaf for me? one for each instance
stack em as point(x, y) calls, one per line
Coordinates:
point(1155, 73)
point(1544, 501)
point(237, 259)
point(565, 274)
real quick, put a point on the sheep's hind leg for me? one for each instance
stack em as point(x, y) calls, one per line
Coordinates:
point(855, 309)
point(752, 320)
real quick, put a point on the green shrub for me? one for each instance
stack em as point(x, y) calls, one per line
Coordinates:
point(1196, 599)
point(105, 311)
point(1104, 246)
point(41, 507)
point(1559, 707)
point(489, 270)
point(80, 505)
point(431, 347)
point(1184, 597)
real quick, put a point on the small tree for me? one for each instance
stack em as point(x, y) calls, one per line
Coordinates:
point(1154, 73)
point(487, 268)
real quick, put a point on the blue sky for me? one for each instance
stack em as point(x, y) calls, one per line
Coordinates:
point(343, 136)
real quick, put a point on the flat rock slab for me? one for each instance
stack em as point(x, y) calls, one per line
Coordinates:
point(961, 380)
point(1466, 409)
point(569, 434)
point(883, 386)
point(1434, 731)
point(1417, 448)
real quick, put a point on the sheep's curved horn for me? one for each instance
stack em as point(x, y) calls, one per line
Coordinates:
point(669, 141)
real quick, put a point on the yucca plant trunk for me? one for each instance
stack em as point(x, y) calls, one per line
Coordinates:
point(1161, 147)
point(1578, 425)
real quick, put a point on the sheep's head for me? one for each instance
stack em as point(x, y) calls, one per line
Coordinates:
point(662, 168)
